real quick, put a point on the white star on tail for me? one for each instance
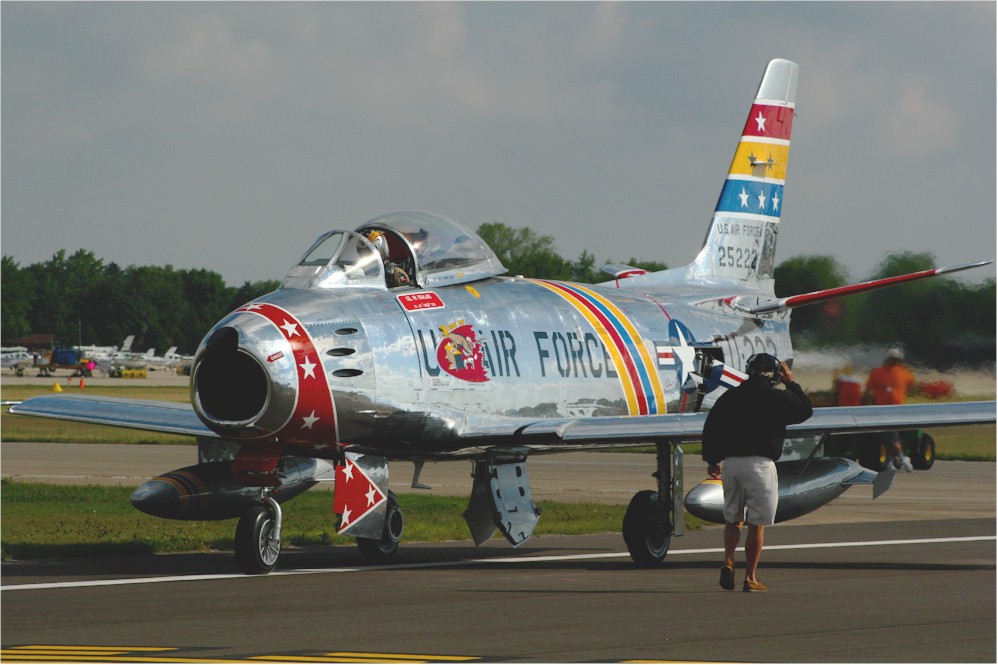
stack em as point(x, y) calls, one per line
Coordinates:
point(761, 122)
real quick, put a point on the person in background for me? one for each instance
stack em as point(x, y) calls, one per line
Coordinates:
point(848, 387)
point(889, 384)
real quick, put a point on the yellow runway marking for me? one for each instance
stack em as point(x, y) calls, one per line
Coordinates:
point(106, 654)
point(359, 657)
point(82, 654)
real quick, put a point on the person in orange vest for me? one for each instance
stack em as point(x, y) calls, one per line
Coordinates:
point(889, 384)
point(848, 387)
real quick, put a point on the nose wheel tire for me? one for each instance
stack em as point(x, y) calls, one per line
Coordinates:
point(382, 549)
point(256, 554)
point(646, 529)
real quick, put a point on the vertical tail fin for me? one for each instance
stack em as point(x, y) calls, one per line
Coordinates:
point(741, 240)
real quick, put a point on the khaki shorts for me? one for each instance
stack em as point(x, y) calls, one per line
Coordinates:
point(751, 490)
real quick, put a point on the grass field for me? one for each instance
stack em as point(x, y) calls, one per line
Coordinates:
point(76, 520)
point(46, 430)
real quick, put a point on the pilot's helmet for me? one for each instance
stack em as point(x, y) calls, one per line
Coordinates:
point(380, 242)
point(764, 365)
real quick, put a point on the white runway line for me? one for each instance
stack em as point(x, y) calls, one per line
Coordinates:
point(469, 562)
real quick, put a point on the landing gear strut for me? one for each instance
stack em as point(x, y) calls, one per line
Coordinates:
point(258, 537)
point(652, 518)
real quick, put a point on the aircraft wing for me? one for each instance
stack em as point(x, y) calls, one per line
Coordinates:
point(680, 428)
point(156, 416)
point(549, 434)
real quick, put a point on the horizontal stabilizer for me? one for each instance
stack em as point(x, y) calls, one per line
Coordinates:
point(782, 304)
point(621, 270)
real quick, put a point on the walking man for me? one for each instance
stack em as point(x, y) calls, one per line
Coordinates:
point(745, 429)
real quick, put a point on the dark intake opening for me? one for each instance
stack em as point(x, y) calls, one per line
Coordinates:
point(230, 384)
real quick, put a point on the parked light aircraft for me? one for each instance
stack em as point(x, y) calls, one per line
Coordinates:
point(168, 360)
point(424, 352)
point(15, 356)
point(104, 353)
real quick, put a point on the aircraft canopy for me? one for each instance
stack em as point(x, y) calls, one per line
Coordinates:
point(427, 249)
point(443, 251)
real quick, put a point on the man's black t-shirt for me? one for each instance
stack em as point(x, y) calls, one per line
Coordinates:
point(752, 420)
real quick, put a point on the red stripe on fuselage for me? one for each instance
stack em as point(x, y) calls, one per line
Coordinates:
point(618, 343)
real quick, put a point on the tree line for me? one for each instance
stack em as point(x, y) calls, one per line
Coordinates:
point(81, 299)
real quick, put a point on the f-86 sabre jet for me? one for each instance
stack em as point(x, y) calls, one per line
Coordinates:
point(401, 340)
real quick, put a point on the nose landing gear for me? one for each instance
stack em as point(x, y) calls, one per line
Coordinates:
point(258, 537)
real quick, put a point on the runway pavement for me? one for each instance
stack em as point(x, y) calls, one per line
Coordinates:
point(921, 591)
point(908, 578)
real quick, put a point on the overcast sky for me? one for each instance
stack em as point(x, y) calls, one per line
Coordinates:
point(229, 135)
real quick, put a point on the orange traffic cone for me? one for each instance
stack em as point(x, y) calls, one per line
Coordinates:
point(56, 388)
point(81, 383)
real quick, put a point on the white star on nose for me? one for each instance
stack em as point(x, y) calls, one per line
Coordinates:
point(309, 368)
point(309, 420)
point(290, 329)
point(370, 495)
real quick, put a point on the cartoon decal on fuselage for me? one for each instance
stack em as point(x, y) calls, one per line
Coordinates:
point(459, 353)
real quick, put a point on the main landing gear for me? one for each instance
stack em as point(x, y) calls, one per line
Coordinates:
point(383, 548)
point(652, 518)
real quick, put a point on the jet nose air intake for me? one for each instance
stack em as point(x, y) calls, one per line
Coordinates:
point(259, 375)
point(229, 383)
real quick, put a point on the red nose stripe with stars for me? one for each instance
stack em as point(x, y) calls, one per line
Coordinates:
point(313, 421)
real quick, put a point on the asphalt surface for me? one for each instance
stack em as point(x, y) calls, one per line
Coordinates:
point(873, 592)
point(908, 578)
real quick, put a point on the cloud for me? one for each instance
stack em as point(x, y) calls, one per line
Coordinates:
point(917, 123)
point(209, 56)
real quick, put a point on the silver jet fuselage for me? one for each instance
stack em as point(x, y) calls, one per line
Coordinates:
point(409, 370)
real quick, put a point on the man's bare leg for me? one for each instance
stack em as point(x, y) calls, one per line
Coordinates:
point(753, 550)
point(732, 534)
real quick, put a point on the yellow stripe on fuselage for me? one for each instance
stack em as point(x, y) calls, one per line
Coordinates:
point(646, 359)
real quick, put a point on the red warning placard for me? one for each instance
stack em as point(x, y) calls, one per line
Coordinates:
point(412, 302)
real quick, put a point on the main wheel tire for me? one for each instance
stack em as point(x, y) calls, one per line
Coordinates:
point(925, 453)
point(873, 455)
point(384, 548)
point(646, 530)
point(255, 554)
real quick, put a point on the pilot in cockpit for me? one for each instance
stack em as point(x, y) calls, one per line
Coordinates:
point(395, 275)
